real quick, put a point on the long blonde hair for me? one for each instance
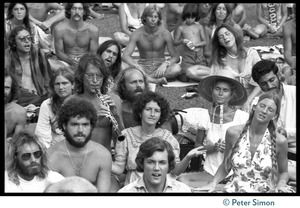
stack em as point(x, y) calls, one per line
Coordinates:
point(272, 130)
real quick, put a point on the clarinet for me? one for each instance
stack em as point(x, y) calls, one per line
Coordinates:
point(112, 115)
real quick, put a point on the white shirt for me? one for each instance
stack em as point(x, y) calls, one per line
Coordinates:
point(36, 185)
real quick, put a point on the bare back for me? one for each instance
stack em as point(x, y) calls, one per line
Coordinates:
point(95, 166)
point(15, 118)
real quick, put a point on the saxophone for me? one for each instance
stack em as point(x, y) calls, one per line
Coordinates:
point(113, 116)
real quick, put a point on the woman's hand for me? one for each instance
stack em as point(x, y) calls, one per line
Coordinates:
point(196, 152)
point(220, 145)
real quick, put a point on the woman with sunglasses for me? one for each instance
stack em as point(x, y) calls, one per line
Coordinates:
point(61, 86)
point(27, 169)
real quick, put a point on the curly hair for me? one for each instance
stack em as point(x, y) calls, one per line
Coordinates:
point(148, 148)
point(121, 84)
point(14, 91)
point(262, 68)
point(76, 106)
point(10, 14)
point(116, 67)
point(219, 52)
point(56, 101)
point(69, 6)
point(82, 67)
point(13, 34)
point(146, 97)
point(17, 141)
point(148, 11)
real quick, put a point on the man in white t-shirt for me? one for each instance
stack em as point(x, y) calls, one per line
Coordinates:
point(27, 169)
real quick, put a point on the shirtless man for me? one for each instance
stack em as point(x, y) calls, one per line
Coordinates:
point(151, 41)
point(74, 37)
point(77, 155)
point(39, 14)
point(15, 115)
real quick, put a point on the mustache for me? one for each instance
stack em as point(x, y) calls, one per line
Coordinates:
point(139, 89)
point(79, 135)
point(34, 164)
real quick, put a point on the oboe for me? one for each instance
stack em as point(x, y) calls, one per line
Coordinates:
point(112, 115)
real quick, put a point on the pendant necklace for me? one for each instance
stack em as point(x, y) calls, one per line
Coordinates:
point(75, 168)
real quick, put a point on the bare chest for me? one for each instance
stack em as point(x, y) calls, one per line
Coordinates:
point(78, 166)
point(151, 42)
point(79, 38)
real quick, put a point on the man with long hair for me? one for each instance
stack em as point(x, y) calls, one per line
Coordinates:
point(91, 83)
point(27, 169)
point(75, 37)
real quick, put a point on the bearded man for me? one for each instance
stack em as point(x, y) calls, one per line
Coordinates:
point(77, 155)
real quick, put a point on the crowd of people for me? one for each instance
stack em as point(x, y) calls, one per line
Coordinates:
point(81, 114)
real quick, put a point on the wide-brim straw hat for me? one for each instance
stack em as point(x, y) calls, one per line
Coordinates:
point(205, 87)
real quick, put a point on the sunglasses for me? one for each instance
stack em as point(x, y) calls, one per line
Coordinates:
point(25, 39)
point(27, 156)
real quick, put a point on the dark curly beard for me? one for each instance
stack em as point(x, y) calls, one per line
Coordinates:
point(70, 139)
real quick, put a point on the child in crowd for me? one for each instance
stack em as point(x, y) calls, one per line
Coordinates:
point(192, 35)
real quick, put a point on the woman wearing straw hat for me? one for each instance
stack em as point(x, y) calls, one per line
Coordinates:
point(224, 93)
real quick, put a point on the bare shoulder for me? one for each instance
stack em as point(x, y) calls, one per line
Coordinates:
point(16, 108)
point(91, 27)
point(100, 151)
point(233, 133)
point(55, 150)
point(235, 130)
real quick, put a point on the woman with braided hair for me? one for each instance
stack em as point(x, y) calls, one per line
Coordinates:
point(256, 152)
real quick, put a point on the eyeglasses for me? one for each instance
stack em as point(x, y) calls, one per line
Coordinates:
point(24, 39)
point(27, 156)
point(91, 76)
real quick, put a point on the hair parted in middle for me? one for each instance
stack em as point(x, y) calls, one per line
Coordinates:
point(81, 70)
point(148, 11)
point(69, 6)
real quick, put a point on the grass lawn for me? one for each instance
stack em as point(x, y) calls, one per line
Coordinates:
point(110, 24)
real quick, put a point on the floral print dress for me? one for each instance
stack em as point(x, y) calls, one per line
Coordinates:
point(251, 175)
